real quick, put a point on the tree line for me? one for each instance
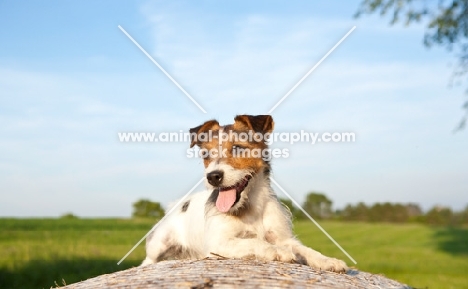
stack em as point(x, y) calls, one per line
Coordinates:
point(319, 206)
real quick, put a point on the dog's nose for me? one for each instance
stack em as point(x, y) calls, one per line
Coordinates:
point(215, 178)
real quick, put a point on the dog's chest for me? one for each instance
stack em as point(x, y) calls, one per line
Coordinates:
point(241, 227)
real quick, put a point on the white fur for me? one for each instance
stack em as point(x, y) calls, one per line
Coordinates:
point(231, 175)
point(261, 231)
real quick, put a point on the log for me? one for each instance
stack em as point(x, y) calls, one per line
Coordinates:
point(233, 273)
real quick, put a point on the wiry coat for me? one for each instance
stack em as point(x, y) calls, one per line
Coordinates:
point(254, 225)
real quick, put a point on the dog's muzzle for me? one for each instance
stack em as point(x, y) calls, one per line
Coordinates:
point(229, 196)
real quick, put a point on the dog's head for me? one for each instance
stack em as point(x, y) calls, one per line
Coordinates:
point(234, 158)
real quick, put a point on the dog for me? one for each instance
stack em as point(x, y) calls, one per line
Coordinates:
point(239, 215)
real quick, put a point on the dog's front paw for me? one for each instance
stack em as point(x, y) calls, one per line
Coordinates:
point(331, 264)
point(280, 253)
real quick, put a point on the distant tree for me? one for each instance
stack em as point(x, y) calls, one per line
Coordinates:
point(295, 212)
point(380, 212)
point(446, 25)
point(318, 205)
point(359, 212)
point(464, 215)
point(415, 213)
point(460, 217)
point(414, 210)
point(439, 216)
point(399, 213)
point(377, 213)
point(147, 209)
point(388, 212)
point(68, 216)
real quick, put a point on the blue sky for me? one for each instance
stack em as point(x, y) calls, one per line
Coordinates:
point(70, 80)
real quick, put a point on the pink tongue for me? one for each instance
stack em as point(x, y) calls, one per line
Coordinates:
point(225, 200)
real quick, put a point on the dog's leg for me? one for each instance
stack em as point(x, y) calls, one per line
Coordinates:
point(147, 261)
point(279, 232)
point(161, 245)
point(315, 259)
point(165, 249)
point(155, 248)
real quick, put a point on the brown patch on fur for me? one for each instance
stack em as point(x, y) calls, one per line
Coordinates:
point(257, 123)
point(174, 252)
point(246, 235)
point(185, 206)
point(271, 237)
point(250, 257)
point(300, 259)
point(195, 132)
point(224, 150)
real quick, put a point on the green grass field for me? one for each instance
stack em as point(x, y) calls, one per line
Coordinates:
point(36, 253)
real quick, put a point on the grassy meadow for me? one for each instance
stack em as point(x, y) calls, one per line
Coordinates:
point(39, 253)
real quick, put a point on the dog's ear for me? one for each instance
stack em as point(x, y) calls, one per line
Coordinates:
point(257, 123)
point(196, 131)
